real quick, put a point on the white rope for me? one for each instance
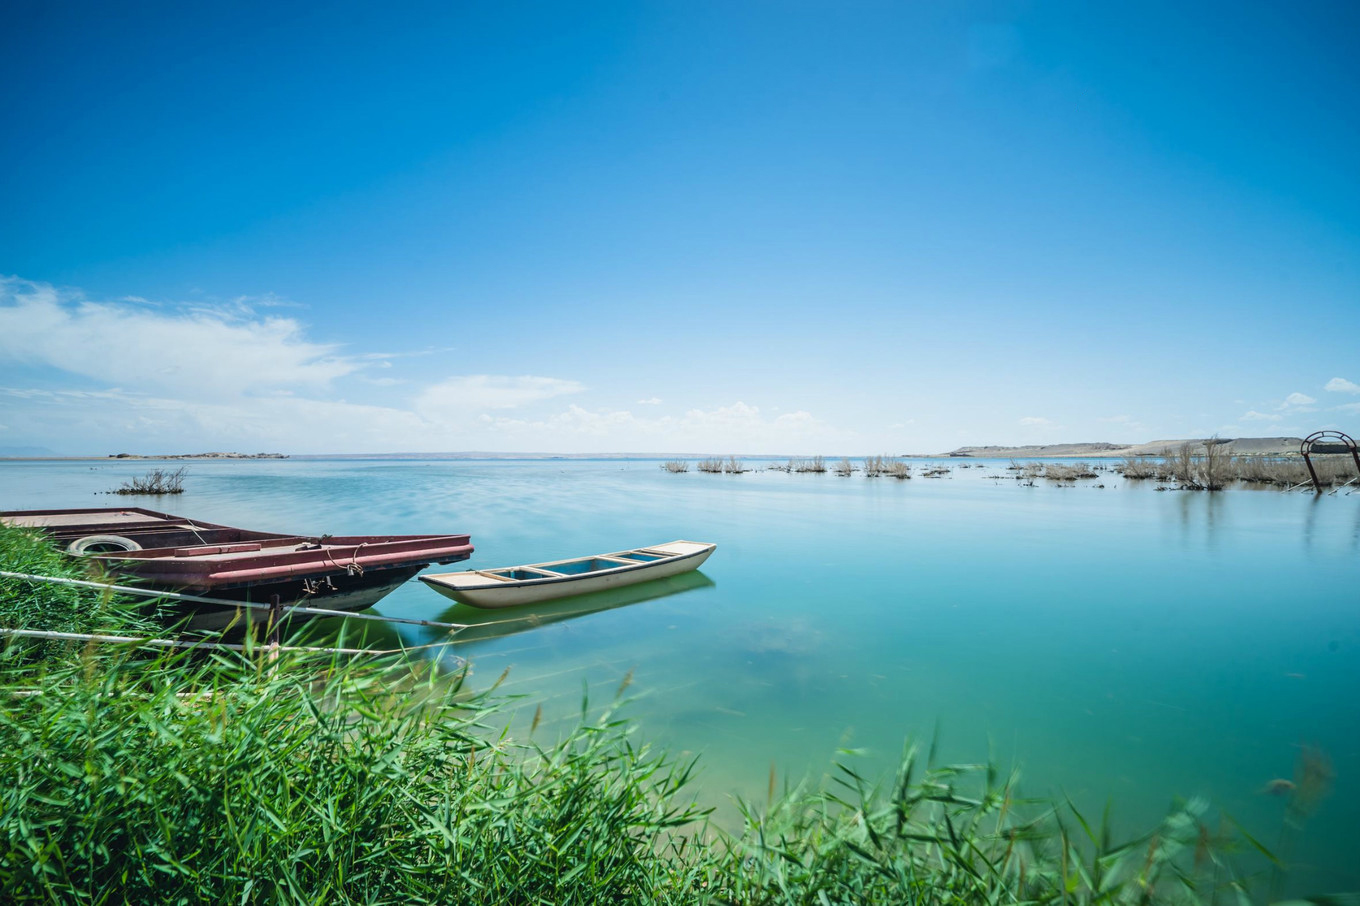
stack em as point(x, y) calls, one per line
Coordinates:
point(175, 643)
point(177, 596)
point(298, 608)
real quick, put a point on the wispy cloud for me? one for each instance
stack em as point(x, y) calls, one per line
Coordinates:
point(1297, 399)
point(165, 377)
point(1341, 385)
point(1033, 420)
point(1253, 416)
point(200, 351)
point(474, 393)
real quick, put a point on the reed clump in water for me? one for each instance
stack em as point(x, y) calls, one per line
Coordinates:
point(1055, 471)
point(675, 465)
point(875, 466)
point(712, 465)
point(1289, 471)
point(733, 466)
point(844, 468)
point(1210, 467)
point(157, 481)
point(816, 464)
point(1144, 467)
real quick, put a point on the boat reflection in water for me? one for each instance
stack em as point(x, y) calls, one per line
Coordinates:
point(482, 625)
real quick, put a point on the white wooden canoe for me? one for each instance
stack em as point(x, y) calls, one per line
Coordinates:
point(536, 582)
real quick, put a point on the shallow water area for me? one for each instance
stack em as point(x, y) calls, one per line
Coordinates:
point(1115, 641)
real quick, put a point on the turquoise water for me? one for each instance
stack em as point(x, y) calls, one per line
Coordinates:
point(1115, 641)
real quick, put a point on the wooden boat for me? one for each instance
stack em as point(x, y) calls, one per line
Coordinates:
point(536, 582)
point(174, 553)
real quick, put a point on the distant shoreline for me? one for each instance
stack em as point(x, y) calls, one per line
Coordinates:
point(198, 456)
point(1241, 446)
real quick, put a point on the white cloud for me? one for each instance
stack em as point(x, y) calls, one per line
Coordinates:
point(1298, 399)
point(200, 352)
point(457, 396)
point(1031, 420)
point(1253, 416)
point(158, 378)
point(1341, 385)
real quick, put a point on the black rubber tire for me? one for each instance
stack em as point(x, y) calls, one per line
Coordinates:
point(101, 544)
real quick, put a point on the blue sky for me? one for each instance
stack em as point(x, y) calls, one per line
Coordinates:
point(749, 227)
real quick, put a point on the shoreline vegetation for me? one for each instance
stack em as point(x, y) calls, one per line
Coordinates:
point(1205, 466)
point(285, 776)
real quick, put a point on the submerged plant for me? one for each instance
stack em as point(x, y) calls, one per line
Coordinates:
point(815, 464)
point(157, 481)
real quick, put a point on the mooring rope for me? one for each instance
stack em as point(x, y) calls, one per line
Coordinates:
point(233, 646)
point(453, 628)
point(251, 605)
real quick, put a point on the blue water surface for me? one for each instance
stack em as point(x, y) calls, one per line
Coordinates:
point(1116, 642)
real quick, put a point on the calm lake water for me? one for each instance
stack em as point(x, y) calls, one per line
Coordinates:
point(1114, 641)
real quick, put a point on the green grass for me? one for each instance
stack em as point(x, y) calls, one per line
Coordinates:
point(290, 777)
point(58, 608)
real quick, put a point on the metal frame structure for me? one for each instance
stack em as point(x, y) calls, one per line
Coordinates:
point(1322, 442)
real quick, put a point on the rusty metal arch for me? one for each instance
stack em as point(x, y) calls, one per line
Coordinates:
point(1324, 442)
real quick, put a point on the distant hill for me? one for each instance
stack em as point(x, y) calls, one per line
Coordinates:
point(1240, 446)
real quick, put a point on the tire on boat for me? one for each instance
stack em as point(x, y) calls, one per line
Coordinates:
point(101, 544)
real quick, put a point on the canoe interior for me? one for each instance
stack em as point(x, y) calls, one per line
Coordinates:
point(569, 568)
point(577, 568)
point(515, 585)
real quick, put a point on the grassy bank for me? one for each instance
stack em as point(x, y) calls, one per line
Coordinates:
point(299, 778)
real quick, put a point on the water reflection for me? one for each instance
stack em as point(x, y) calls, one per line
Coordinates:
point(1194, 513)
point(483, 625)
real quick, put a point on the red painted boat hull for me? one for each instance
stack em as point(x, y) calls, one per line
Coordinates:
point(220, 561)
